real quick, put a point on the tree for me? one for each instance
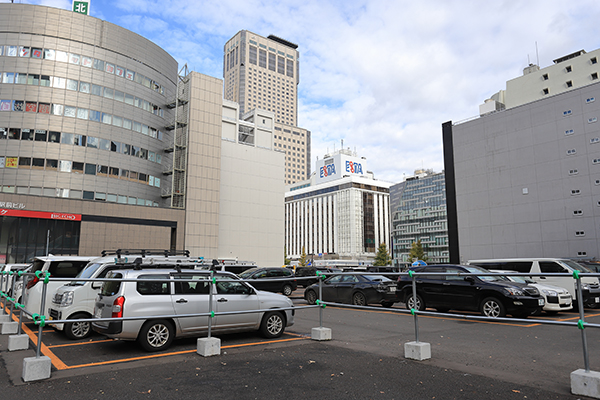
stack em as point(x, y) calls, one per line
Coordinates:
point(383, 257)
point(303, 262)
point(286, 261)
point(416, 252)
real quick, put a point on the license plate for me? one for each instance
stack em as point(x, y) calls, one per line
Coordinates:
point(392, 288)
point(541, 302)
point(98, 313)
point(597, 299)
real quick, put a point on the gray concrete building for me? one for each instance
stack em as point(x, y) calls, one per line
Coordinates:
point(101, 147)
point(524, 180)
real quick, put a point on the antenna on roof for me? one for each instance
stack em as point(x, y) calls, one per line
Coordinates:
point(537, 56)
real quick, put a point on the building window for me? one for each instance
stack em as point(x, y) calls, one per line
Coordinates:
point(590, 100)
point(568, 68)
point(593, 60)
point(578, 212)
point(594, 140)
point(569, 132)
point(570, 152)
point(592, 120)
point(567, 112)
point(545, 77)
point(594, 76)
point(573, 172)
point(580, 233)
point(582, 253)
point(596, 161)
point(569, 83)
point(546, 91)
point(575, 192)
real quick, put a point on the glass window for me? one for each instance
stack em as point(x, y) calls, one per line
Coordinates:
point(112, 198)
point(92, 142)
point(14, 133)
point(59, 83)
point(122, 199)
point(19, 105)
point(151, 156)
point(33, 79)
point(70, 111)
point(113, 172)
point(137, 126)
point(88, 195)
point(84, 87)
point(115, 146)
point(79, 140)
point(142, 177)
point(133, 176)
point(130, 75)
point(54, 137)
point(135, 151)
point(119, 96)
point(145, 129)
point(86, 62)
point(139, 78)
point(102, 170)
point(156, 181)
point(3, 134)
point(30, 106)
point(141, 202)
point(27, 134)
point(11, 51)
point(117, 121)
point(110, 68)
point(83, 113)
point(72, 84)
point(44, 108)
point(144, 154)
point(109, 93)
point(104, 144)
point(132, 200)
point(65, 166)
point(67, 138)
point(120, 71)
point(24, 51)
point(20, 78)
point(90, 169)
point(106, 118)
point(57, 109)
point(126, 123)
point(8, 77)
point(124, 174)
point(36, 52)
point(126, 148)
point(25, 162)
point(51, 164)
point(40, 135)
point(98, 64)
point(158, 158)
point(74, 59)
point(96, 90)
point(49, 54)
point(137, 102)
point(128, 98)
point(95, 115)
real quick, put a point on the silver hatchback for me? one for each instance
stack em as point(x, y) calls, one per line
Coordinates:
point(166, 298)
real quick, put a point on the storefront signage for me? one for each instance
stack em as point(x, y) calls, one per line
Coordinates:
point(39, 214)
point(8, 204)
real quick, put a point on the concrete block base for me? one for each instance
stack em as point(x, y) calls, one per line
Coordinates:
point(18, 342)
point(417, 351)
point(320, 334)
point(585, 383)
point(36, 369)
point(9, 328)
point(207, 347)
point(5, 318)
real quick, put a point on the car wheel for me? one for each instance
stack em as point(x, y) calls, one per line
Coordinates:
point(287, 290)
point(311, 297)
point(78, 330)
point(272, 325)
point(359, 299)
point(387, 304)
point(418, 305)
point(493, 308)
point(156, 335)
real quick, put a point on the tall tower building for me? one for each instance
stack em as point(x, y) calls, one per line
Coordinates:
point(263, 73)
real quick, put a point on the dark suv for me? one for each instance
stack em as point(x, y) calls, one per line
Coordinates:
point(312, 272)
point(271, 279)
point(491, 295)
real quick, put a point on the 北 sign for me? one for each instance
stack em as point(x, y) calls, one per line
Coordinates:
point(81, 7)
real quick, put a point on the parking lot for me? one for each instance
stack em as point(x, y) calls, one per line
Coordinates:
point(522, 353)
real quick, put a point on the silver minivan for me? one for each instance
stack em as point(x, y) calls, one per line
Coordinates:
point(162, 295)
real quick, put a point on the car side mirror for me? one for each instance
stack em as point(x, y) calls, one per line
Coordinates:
point(96, 285)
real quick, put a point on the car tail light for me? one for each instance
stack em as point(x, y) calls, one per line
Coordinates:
point(117, 308)
point(32, 282)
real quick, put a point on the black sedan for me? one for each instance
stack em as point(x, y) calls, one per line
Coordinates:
point(359, 290)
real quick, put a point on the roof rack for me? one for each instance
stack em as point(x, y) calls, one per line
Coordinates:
point(145, 252)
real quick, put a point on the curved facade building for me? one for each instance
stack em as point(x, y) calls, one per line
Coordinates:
point(83, 121)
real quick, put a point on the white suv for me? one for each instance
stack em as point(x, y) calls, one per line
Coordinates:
point(162, 296)
point(75, 300)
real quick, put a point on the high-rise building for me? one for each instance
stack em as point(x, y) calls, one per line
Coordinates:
point(523, 180)
point(418, 210)
point(342, 212)
point(263, 73)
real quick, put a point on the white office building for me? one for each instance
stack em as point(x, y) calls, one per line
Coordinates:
point(341, 212)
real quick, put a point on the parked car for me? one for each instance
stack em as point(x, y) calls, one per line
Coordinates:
point(179, 293)
point(6, 280)
point(590, 286)
point(359, 290)
point(271, 279)
point(75, 300)
point(386, 271)
point(493, 296)
point(58, 267)
point(312, 272)
point(557, 299)
point(593, 266)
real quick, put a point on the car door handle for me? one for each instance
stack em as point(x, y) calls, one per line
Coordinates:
point(181, 301)
point(222, 300)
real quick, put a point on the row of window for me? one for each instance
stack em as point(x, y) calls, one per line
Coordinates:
point(79, 86)
point(79, 194)
point(41, 135)
point(84, 61)
point(276, 63)
point(80, 113)
point(78, 168)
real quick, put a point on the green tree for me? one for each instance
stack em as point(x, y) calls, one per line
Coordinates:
point(416, 252)
point(383, 257)
point(303, 262)
point(286, 261)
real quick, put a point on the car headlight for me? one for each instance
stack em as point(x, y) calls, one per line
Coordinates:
point(514, 291)
point(67, 299)
point(551, 293)
point(585, 286)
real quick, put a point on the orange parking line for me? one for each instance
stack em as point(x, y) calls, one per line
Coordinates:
point(80, 343)
point(57, 362)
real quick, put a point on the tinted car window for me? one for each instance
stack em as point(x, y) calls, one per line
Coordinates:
point(232, 287)
point(153, 288)
point(192, 284)
point(550, 267)
point(111, 288)
point(66, 269)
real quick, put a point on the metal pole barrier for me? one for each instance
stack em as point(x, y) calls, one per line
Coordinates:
point(212, 286)
point(13, 278)
point(320, 299)
point(581, 322)
point(413, 310)
point(41, 319)
point(23, 296)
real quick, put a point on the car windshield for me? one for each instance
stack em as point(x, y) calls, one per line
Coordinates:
point(573, 266)
point(476, 270)
point(247, 273)
point(85, 273)
point(377, 278)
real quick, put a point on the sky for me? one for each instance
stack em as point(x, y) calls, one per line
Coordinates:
point(382, 75)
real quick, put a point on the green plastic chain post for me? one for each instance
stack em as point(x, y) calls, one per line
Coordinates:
point(39, 319)
point(45, 278)
point(581, 324)
point(576, 274)
point(412, 311)
point(214, 280)
point(212, 314)
point(20, 273)
point(410, 273)
point(320, 303)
